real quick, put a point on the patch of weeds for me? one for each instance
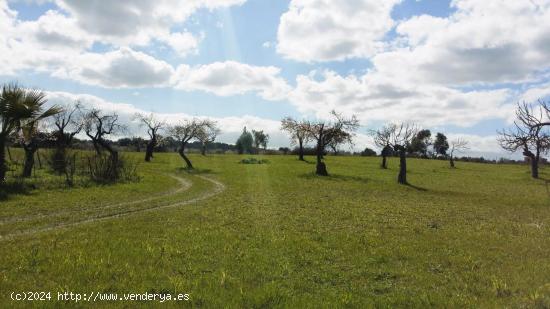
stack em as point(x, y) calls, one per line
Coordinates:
point(254, 161)
point(540, 298)
point(501, 288)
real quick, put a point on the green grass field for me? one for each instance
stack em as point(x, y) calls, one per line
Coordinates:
point(275, 235)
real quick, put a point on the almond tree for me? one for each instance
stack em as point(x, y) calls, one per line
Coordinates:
point(399, 137)
point(457, 145)
point(382, 140)
point(187, 131)
point(329, 134)
point(207, 135)
point(153, 126)
point(98, 126)
point(67, 123)
point(298, 134)
point(528, 135)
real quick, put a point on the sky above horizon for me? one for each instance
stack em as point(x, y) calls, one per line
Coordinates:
point(456, 67)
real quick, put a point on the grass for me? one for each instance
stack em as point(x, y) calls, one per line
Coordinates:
point(279, 236)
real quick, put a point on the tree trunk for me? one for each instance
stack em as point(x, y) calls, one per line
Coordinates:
point(149, 152)
point(203, 150)
point(29, 161)
point(321, 168)
point(402, 178)
point(96, 148)
point(3, 166)
point(452, 161)
point(384, 162)
point(301, 150)
point(112, 152)
point(534, 167)
point(181, 151)
point(38, 157)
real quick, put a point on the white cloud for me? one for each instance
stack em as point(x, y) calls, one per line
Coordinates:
point(535, 93)
point(136, 23)
point(324, 30)
point(233, 78)
point(36, 45)
point(487, 42)
point(123, 68)
point(374, 98)
point(54, 31)
point(183, 43)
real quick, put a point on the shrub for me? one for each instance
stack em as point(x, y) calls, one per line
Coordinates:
point(106, 169)
point(254, 161)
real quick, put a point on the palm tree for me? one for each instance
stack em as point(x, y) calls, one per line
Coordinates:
point(19, 107)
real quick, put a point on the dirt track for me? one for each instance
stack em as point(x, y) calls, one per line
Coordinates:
point(218, 188)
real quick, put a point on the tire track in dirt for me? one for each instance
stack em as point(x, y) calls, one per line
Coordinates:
point(184, 185)
point(218, 188)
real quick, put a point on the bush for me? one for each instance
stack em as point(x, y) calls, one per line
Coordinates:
point(254, 161)
point(105, 169)
point(368, 152)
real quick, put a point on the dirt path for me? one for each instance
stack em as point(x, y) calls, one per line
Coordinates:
point(183, 185)
point(218, 188)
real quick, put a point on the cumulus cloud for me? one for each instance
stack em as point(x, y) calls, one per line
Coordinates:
point(233, 78)
point(124, 23)
point(374, 98)
point(535, 93)
point(122, 68)
point(54, 31)
point(38, 45)
point(325, 30)
point(474, 45)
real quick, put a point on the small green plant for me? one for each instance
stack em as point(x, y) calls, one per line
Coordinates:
point(254, 161)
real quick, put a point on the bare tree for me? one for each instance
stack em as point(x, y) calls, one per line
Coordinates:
point(98, 126)
point(207, 135)
point(399, 138)
point(298, 134)
point(187, 131)
point(382, 139)
point(330, 133)
point(457, 145)
point(68, 123)
point(528, 135)
point(153, 126)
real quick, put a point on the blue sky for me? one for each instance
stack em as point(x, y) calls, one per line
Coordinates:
point(449, 66)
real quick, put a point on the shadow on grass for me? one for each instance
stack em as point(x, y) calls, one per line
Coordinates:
point(335, 177)
point(416, 187)
point(195, 171)
point(14, 188)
